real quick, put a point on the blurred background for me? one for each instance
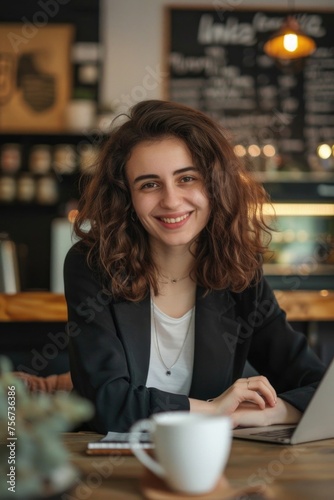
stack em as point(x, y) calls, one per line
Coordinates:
point(67, 68)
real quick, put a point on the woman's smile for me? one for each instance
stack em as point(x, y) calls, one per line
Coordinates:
point(172, 221)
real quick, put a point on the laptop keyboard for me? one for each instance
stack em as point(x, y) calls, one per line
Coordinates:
point(280, 433)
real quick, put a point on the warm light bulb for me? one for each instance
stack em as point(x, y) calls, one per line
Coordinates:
point(290, 42)
point(269, 150)
point(71, 216)
point(240, 150)
point(324, 151)
point(254, 150)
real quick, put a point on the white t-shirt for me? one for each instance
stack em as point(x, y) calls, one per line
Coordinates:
point(171, 333)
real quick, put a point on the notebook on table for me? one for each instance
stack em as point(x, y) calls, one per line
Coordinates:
point(117, 443)
point(316, 423)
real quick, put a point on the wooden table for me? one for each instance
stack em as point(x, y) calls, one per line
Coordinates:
point(303, 472)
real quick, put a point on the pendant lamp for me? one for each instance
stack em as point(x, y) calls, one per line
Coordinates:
point(289, 42)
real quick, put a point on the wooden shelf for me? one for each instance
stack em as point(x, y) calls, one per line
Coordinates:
point(50, 307)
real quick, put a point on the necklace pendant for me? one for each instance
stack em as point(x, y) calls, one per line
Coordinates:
point(168, 373)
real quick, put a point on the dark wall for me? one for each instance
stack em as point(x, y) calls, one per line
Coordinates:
point(84, 14)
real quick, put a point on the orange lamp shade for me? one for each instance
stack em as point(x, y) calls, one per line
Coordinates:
point(289, 42)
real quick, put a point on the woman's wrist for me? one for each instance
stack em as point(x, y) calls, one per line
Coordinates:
point(202, 406)
point(283, 413)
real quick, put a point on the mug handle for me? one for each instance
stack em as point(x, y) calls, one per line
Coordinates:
point(139, 451)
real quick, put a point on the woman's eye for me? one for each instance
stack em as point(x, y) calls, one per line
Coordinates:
point(187, 178)
point(149, 185)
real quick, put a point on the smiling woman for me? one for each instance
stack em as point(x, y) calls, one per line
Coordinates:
point(174, 253)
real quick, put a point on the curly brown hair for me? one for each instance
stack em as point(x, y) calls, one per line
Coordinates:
point(229, 250)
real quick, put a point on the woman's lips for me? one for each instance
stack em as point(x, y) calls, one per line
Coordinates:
point(173, 220)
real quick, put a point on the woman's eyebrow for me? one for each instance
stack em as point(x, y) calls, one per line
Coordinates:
point(155, 176)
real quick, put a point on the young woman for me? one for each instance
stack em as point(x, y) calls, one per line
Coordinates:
point(166, 298)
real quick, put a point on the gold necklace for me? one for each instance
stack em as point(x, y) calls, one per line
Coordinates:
point(169, 368)
point(173, 280)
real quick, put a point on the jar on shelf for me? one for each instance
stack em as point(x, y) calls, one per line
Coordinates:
point(64, 158)
point(88, 156)
point(81, 110)
point(46, 190)
point(40, 159)
point(7, 188)
point(10, 158)
point(26, 188)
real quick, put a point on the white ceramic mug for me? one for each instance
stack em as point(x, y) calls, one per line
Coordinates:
point(191, 449)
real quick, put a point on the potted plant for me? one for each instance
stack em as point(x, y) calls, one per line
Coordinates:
point(33, 460)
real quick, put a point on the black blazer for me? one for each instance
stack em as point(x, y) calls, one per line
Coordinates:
point(109, 348)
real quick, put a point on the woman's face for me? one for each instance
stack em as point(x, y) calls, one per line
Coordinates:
point(167, 191)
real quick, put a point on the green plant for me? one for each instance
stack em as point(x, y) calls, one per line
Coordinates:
point(33, 461)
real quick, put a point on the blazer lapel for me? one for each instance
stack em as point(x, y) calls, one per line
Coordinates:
point(134, 327)
point(216, 335)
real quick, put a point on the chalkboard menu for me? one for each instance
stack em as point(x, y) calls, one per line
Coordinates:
point(217, 64)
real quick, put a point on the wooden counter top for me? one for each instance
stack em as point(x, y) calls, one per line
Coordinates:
point(50, 307)
point(307, 305)
point(33, 306)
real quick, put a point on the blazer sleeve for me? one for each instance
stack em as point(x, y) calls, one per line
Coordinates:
point(98, 360)
point(280, 353)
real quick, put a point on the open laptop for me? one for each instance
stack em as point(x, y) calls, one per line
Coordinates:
point(316, 423)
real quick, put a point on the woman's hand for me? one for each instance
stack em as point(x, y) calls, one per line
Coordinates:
point(256, 390)
point(249, 415)
point(250, 402)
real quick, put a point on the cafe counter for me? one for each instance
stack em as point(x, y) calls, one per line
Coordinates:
point(29, 323)
point(51, 307)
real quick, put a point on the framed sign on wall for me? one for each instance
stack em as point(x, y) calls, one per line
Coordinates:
point(216, 63)
point(35, 76)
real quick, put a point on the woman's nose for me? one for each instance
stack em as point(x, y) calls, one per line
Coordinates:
point(171, 197)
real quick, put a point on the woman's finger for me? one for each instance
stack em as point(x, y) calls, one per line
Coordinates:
point(261, 385)
point(254, 397)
